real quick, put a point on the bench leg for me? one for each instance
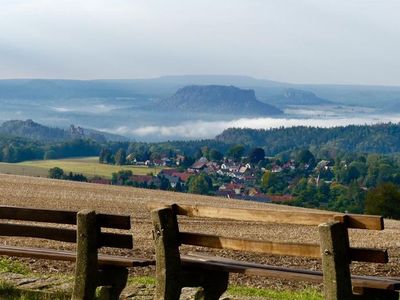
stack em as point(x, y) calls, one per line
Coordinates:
point(86, 268)
point(213, 283)
point(335, 261)
point(112, 282)
point(374, 294)
point(168, 262)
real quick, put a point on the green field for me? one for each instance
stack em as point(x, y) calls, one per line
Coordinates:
point(88, 166)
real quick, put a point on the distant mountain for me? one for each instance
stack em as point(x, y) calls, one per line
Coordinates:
point(35, 131)
point(165, 86)
point(292, 96)
point(216, 99)
point(393, 107)
point(62, 89)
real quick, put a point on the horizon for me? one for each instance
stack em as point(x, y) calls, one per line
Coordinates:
point(205, 75)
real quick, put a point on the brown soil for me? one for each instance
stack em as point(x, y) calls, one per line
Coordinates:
point(57, 194)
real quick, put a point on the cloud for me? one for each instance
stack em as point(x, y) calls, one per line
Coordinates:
point(209, 129)
point(286, 40)
point(92, 109)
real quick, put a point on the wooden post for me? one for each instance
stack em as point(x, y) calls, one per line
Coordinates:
point(168, 262)
point(215, 284)
point(86, 268)
point(112, 281)
point(335, 261)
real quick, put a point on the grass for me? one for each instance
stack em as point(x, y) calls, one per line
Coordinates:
point(307, 294)
point(145, 280)
point(242, 291)
point(9, 291)
point(17, 169)
point(88, 166)
point(7, 265)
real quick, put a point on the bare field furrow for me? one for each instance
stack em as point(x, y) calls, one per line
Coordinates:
point(57, 194)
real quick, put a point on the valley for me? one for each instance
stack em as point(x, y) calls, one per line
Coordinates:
point(148, 110)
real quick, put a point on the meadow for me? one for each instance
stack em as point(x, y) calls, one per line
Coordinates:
point(88, 166)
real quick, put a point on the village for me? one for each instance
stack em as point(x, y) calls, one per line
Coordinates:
point(242, 180)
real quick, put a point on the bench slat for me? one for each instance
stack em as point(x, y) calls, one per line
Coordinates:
point(116, 240)
point(229, 265)
point(274, 216)
point(369, 255)
point(64, 235)
point(277, 248)
point(213, 241)
point(61, 217)
point(51, 254)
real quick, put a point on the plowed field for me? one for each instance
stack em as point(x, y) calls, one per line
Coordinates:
point(57, 194)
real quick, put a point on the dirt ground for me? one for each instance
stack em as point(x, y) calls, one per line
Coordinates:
point(57, 194)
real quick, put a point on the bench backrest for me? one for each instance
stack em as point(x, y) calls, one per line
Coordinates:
point(273, 216)
point(25, 228)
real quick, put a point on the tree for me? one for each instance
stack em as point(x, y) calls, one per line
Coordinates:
point(200, 184)
point(164, 183)
point(350, 174)
point(56, 173)
point(105, 156)
point(305, 157)
point(236, 152)
point(121, 177)
point(383, 200)
point(120, 157)
point(187, 161)
point(267, 181)
point(256, 155)
point(178, 187)
point(51, 154)
point(215, 155)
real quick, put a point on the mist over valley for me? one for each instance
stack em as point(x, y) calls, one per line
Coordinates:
point(193, 107)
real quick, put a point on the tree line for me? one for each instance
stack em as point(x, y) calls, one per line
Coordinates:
point(380, 138)
point(15, 149)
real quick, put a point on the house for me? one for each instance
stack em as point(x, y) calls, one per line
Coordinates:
point(230, 167)
point(199, 165)
point(324, 165)
point(166, 162)
point(233, 187)
point(168, 172)
point(179, 159)
point(276, 169)
point(173, 180)
point(243, 169)
point(183, 176)
point(290, 165)
point(226, 194)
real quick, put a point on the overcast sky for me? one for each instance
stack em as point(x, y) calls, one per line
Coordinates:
point(299, 41)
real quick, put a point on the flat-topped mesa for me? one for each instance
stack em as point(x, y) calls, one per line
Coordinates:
point(217, 99)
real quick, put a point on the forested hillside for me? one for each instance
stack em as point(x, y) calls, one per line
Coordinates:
point(381, 138)
point(34, 131)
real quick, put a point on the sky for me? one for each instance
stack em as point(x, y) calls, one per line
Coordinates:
point(297, 41)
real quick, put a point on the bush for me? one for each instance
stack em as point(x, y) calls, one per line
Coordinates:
point(384, 200)
point(56, 173)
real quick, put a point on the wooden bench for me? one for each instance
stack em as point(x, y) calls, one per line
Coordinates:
point(174, 270)
point(92, 270)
